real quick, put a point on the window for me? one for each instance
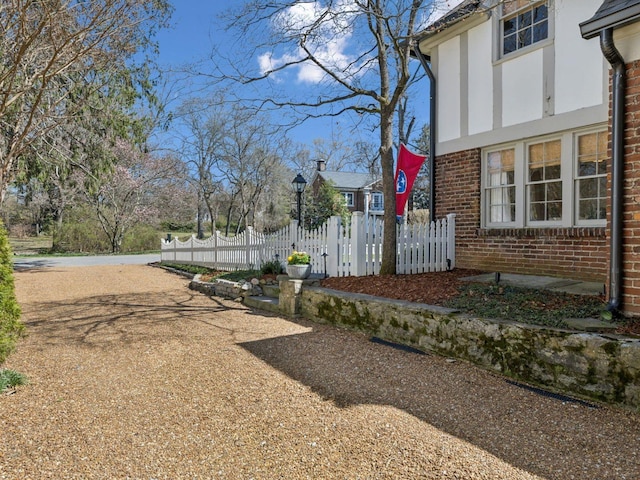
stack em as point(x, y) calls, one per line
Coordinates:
point(377, 202)
point(544, 184)
point(591, 176)
point(523, 23)
point(558, 181)
point(348, 198)
point(501, 188)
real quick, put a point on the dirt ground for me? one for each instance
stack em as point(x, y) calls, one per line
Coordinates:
point(134, 376)
point(431, 288)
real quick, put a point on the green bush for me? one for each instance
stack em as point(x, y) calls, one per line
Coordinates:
point(81, 237)
point(11, 329)
point(174, 226)
point(271, 267)
point(141, 238)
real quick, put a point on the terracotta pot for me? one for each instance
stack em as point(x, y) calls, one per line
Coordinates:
point(299, 272)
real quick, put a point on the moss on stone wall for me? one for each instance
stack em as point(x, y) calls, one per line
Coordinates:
point(586, 365)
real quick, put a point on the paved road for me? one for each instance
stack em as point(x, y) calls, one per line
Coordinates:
point(22, 263)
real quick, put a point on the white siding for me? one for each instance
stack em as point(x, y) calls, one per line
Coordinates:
point(449, 90)
point(522, 98)
point(480, 79)
point(579, 79)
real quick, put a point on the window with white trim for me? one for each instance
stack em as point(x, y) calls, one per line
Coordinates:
point(591, 176)
point(558, 181)
point(348, 199)
point(377, 201)
point(501, 189)
point(523, 23)
point(544, 182)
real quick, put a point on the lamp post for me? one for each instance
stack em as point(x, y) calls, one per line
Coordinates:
point(299, 184)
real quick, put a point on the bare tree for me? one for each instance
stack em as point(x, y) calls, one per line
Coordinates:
point(201, 149)
point(250, 162)
point(55, 55)
point(355, 53)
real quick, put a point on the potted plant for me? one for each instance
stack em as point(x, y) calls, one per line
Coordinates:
point(299, 265)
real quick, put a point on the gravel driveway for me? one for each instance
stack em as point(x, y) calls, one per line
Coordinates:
point(132, 375)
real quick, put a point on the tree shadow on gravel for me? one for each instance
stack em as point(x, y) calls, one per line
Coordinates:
point(105, 320)
point(550, 437)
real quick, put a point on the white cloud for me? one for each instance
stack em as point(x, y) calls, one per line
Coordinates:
point(329, 41)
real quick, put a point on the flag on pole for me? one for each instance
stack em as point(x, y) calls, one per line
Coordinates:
point(407, 169)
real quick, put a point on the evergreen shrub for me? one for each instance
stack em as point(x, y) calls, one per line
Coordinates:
point(11, 329)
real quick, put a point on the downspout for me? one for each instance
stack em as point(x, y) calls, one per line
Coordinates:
point(432, 132)
point(617, 171)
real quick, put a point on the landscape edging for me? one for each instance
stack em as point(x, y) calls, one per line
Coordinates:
point(602, 367)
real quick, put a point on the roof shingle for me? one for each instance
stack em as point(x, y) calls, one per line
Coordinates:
point(611, 14)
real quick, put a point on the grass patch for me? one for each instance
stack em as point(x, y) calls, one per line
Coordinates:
point(208, 274)
point(194, 269)
point(10, 379)
point(240, 275)
point(31, 245)
point(525, 305)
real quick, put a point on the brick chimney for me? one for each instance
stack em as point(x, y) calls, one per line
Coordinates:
point(322, 165)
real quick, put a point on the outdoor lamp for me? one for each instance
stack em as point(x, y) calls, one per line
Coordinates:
point(299, 183)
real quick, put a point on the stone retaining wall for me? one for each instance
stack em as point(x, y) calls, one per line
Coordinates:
point(223, 288)
point(594, 366)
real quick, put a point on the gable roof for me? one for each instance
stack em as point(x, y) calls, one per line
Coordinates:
point(464, 12)
point(611, 14)
point(455, 15)
point(348, 180)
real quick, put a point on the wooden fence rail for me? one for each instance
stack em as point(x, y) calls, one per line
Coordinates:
point(354, 249)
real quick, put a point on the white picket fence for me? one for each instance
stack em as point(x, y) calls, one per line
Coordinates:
point(335, 249)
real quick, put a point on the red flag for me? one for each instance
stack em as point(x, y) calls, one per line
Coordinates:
point(407, 170)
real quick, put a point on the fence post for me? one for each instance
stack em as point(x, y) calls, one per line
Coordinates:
point(215, 248)
point(451, 240)
point(358, 244)
point(333, 250)
point(247, 243)
point(294, 235)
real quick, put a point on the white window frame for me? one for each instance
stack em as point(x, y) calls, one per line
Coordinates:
point(577, 220)
point(499, 31)
point(486, 199)
point(528, 183)
point(377, 199)
point(569, 161)
point(349, 198)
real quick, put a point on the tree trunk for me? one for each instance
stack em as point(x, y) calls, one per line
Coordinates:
point(388, 264)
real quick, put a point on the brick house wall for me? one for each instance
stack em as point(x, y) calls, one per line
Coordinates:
point(580, 253)
point(631, 209)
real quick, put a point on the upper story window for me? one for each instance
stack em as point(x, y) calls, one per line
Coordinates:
point(523, 23)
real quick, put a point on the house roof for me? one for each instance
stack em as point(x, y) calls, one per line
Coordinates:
point(455, 15)
point(611, 14)
point(348, 180)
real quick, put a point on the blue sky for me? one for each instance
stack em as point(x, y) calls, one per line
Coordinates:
point(195, 31)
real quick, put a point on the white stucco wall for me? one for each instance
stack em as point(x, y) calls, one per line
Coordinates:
point(480, 79)
point(560, 84)
point(627, 41)
point(522, 98)
point(579, 64)
point(448, 91)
